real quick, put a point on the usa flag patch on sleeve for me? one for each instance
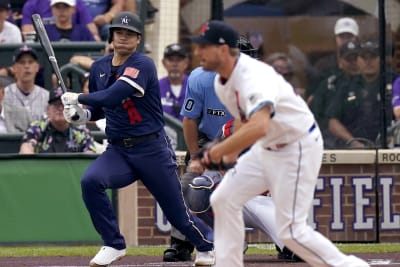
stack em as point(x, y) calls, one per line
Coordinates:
point(131, 72)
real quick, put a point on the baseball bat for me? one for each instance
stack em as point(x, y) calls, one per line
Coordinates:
point(48, 49)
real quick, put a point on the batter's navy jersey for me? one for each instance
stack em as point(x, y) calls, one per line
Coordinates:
point(202, 103)
point(128, 96)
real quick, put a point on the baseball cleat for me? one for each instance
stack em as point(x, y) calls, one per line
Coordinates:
point(204, 258)
point(106, 256)
point(174, 254)
point(180, 250)
point(288, 255)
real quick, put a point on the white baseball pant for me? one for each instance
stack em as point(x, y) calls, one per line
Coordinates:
point(290, 173)
point(259, 213)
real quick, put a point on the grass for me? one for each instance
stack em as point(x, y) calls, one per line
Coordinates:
point(268, 249)
point(346, 248)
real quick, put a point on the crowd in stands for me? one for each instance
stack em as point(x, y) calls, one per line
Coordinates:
point(25, 105)
point(16, 25)
point(342, 87)
point(53, 134)
point(346, 98)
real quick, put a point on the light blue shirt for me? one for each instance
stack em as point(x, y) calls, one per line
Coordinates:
point(202, 103)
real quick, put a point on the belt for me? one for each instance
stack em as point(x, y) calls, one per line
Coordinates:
point(280, 146)
point(133, 141)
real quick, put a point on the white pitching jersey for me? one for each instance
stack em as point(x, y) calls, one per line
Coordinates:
point(254, 84)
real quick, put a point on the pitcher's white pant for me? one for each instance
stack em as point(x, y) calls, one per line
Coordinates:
point(290, 174)
point(259, 213)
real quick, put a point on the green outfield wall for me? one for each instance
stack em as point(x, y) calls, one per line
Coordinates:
point(357, 199)
point(40, 200)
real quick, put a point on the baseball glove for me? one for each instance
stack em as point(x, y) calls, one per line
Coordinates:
point(203, 156)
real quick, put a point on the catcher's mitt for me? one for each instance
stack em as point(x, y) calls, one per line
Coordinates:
point(203, 156)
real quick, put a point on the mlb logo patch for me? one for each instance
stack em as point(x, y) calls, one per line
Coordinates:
point(125, 20)
point(131, 72)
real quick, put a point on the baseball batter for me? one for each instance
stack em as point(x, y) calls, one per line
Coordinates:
point(124, 88)
point(285, 154)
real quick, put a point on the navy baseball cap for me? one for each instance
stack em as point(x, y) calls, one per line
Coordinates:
point(5, 4)
point(175, 50)
point(217, 32)
point(349, 48)
point(25, 49)
point(370, 47)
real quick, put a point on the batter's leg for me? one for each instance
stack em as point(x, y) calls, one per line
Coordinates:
point(109, 170)
point(163, 182)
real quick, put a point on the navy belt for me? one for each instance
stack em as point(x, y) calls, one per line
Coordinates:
point(133, 141)
point(312, 128)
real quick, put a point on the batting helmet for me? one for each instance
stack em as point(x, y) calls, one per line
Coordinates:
point(246, 47)
point(125, 20)
point(200, 189)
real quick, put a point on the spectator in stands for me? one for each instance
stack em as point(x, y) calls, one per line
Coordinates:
point(103, 12)
point(345, 29)
point(85, 62)
point(12, 119)
point(16, 12)
point(396, 99)
point(9, 33)
point(355, 112)
point(172, 87)
point(43, 8)
point(54, 134)
point(283, 65)
point(24, 92)
point(130, 6)
point(346, 77)
point(64, 28)
point(7, 71)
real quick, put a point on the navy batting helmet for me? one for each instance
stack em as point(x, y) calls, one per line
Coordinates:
point(200, 189)
point(125, 20)
point(246, 47)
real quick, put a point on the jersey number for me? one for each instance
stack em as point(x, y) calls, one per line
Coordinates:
point(189, 104)
point(133, 113)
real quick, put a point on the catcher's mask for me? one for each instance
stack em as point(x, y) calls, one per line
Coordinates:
point(200, 189)
point(245, 47)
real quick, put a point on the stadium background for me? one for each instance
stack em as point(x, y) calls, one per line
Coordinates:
point(28, 189)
